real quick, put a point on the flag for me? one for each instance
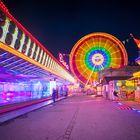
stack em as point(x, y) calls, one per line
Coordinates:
point(127, 40)
point(137, 41)
point(123, 42)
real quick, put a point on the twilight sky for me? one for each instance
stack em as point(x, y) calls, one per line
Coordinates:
point(59, 24)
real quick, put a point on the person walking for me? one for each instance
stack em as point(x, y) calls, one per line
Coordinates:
point(65, 91)
point(54, 94)
point(115, 95)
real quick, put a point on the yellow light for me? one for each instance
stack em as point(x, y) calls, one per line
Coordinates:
point(129, 83)
point(136, 74)
point(119, 83)
point(66, 76)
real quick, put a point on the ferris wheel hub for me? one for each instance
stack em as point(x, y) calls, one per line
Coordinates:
point(97, 59)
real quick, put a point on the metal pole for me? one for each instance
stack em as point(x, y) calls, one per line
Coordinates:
point(90, 76)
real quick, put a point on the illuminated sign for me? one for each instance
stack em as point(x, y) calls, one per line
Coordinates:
point(61, 59)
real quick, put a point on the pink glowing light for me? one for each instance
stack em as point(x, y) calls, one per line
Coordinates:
point(61, 59)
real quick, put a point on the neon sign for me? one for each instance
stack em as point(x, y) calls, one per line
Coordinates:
point(61, 59)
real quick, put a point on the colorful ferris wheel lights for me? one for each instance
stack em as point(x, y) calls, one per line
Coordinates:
point(95, 52)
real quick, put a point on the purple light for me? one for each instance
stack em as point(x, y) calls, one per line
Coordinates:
point(134, 109)
point(12, 92)
point(119, 103)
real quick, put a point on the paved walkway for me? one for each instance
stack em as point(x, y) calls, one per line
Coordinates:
point(13, 111)
point(79, 117)
point(132, 104)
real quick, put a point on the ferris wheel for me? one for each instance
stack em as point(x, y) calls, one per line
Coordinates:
point(95, 52)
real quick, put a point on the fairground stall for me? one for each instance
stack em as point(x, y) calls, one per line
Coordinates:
point(136, 75)
point(136, 80)
point(28, 71)
point(118, 80)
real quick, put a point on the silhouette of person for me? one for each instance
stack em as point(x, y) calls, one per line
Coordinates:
point(54, 94)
